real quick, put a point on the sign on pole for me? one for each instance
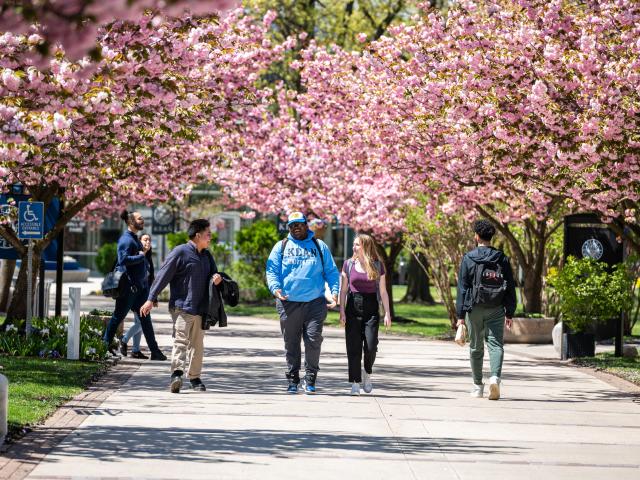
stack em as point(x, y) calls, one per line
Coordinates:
point(30, 227)
point(31, 220)
point(163, 220)
point(52, 213)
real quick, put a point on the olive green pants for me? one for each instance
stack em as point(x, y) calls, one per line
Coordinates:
point(485, 324)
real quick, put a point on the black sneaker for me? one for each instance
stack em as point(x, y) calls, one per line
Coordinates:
point(176, 381)
point(139, 355)
point(196, 384)
point(158, 356)
point(113, 352)
point(123, 347)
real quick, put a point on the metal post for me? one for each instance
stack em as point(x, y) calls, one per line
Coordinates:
point(4, 407)
point(73, 325)
point(29, 288)
point(345, 242)
point(41, 292)
point(163, 250)
point(59, 267)
point(621, 320)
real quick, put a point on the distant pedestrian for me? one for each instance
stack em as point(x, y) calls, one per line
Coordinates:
point(319, 227)
point(362, 289)
point(486, 300)
point(297, 269)
point(135, 331)
point(134, 284)
point(188, 269)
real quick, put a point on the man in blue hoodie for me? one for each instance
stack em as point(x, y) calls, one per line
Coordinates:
point(485, 302)
point(297, 269)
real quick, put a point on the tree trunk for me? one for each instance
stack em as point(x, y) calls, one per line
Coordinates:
point(532, 291)
point(418, 287)
point(533, 282)
point(389, 267)
point(18, 306)
point(7, 267)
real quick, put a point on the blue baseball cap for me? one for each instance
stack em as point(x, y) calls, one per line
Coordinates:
point(296, 217)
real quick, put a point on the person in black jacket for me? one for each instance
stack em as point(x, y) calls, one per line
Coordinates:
point(134, 285)
point(485, 302)
point(135, 331)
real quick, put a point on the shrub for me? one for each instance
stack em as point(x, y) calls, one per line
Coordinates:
point(248, 279)
point(49, 339)
point(254, 242)
point(590, 291)
point(177, 238)
point(107, 256)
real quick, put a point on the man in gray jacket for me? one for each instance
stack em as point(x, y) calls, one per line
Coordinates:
point(486, 300)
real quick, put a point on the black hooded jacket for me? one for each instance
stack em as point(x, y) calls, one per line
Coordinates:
point(482, 254)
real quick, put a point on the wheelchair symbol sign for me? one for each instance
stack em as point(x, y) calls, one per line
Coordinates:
point(31, 220)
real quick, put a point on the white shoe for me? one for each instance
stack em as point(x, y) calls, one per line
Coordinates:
point(367, 386)
point(478, 391)
point(355, 389)
point(494, 388)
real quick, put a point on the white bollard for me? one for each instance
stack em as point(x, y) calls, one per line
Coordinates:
point(73, 326)
point(4, 407)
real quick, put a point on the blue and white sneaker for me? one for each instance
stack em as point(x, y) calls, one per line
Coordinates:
point(309, 387)
point(293, 388)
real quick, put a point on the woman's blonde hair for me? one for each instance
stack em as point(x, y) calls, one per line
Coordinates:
point(370, 254)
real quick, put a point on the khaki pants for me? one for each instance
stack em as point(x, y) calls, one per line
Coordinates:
point(188, 344)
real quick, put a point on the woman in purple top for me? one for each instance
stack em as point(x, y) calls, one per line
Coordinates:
point(361, 289)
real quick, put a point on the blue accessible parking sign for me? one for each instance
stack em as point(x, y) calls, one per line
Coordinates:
point(31, 220)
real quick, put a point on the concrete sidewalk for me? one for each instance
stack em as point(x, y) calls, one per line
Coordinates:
point(420, 423)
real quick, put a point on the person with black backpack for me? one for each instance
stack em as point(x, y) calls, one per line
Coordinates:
point(297, 269)
point(485, 302)
point(134, 285)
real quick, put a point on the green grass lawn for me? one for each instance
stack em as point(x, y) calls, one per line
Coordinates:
point(38, 386)
point(627, 368)
point(421, 320)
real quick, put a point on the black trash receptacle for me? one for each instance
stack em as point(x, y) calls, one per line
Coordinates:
point(578, 345)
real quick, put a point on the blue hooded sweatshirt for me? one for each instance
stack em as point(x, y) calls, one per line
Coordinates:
point(299, 272)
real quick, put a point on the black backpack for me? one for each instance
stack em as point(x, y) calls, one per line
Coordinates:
point(489, 284)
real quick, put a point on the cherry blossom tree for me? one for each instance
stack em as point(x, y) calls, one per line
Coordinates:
point(518, 110)
point(139, 125)
point(74, 24)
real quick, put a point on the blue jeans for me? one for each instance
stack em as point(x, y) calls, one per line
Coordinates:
point(135, 332)
point(124, 304)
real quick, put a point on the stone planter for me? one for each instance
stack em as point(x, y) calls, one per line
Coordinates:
point(530, 330)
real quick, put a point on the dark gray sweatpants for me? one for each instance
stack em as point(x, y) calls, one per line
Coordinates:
point(302, 319)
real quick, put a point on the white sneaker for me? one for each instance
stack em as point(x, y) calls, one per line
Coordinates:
point(355, 389)
point(367, 386)
point(494, 388)
point(478, 391)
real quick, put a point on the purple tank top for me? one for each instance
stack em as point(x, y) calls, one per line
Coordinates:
point(358, 281)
